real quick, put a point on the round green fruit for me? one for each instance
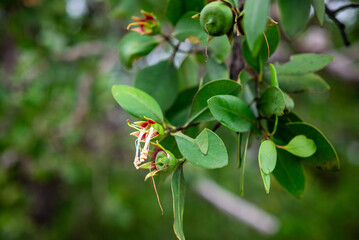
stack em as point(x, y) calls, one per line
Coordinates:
point(216, 18)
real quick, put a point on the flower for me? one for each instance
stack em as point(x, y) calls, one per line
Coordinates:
point(146, 130)
point(146, 25)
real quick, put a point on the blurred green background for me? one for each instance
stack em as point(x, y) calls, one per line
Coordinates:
point(66, 156)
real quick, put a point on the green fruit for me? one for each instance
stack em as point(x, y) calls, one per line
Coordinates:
point(216, 18)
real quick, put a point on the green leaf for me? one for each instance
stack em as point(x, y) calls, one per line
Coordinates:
point(319, 7)
point(199, 110)
point(232, 112)
point(301, 146)
point(271, 102)
point(215, 70)
point(160, 81)
point(189, 27)
point(274, 80)
point(255, 61)
point(325, 157)
point(244, 77)
point(304, 63)
point(178, 188)
point(137, 103)
point(289, 103)
point(242, 159)
point(179, 111)
point(273, 37)
point(267, 156)
point(169, 143)
point(216, 156)
point(294, 15)
point(188, 73)
point(289, 117)
point(266, 181)
point(219, 48)
point(202, 142)
point(177, 8)
point(302, 83)
point(134, 45)
point(289, 173)
point(255, 19)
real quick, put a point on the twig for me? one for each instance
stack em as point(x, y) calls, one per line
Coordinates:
point(175, 49)
point(216, 126)
point(179, 128)
point(350, 5)
point(332, 15)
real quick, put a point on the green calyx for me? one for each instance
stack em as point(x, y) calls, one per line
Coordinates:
point(216, 18)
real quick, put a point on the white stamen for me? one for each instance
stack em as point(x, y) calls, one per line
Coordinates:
point(138, 149)
point(144, 151)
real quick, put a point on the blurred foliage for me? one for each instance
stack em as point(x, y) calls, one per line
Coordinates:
point(65, 168)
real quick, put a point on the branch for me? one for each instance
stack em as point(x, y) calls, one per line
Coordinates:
point(237, 63)
point(244, 211)
point(351, 5)
point(218, 124)
point(332, 15)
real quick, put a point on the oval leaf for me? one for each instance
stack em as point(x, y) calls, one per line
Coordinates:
point(289, 173)
point(319, 7)
point(301, 146)
point(160, 81)
point(304, 63)
point(267, 156)
point(178, 188)
point(216, 156)
point(255, 19)
point(302, 83)
point(273, 37)
point(294, 15)
point(232, 112)
point(137, 103)
point(266, 181)
point(199, 109)
point(272, 102)
point(255, 61)
point(135, 45)
point(325, 157)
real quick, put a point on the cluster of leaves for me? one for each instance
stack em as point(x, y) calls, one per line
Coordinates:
point(256, 104)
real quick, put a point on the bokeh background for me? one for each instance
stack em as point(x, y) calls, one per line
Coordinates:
point(66, 156)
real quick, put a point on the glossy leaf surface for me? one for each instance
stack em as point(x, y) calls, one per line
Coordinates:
point(272, 102)
point(193, 150)
point(178, 188)
point(160, 81)
point(301, 146)
point(304, 63)
point(255, 19)
point(294, 16)
point(232, 112)
point(267, 156)
point(199, 110)
point(289, 173)
point(137, 102)
point(325, 157)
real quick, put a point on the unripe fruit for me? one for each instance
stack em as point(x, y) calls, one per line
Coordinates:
point(216, 18)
